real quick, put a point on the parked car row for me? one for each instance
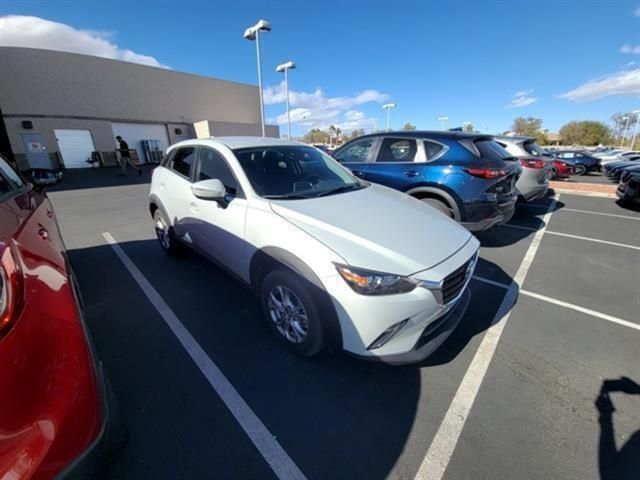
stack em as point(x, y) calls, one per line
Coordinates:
point(627, 173)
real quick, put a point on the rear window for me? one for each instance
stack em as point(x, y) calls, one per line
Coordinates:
point(492, 150)
point(433, 149)
point(534, 149)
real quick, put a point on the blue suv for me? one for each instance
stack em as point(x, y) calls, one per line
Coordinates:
point(466, 176)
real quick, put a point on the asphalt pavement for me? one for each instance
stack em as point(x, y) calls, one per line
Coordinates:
point(536, 411)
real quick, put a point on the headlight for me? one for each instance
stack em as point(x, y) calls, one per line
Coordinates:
point(366, 282)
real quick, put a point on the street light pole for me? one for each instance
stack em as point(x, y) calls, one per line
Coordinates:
point(388, 107)
point(443, 118)
point(285, 67)
point(635, 129)
point(253, 33)
point(624, 131)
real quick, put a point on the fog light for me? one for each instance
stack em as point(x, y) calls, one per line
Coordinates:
point(387, 335)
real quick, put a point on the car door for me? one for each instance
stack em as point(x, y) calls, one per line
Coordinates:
point(357, 155)
point(174, 184)
point(395, 164)
point(218, 228)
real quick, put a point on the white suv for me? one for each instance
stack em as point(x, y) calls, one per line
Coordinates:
point(336, 261)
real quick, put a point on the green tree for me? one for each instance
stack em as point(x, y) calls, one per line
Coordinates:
point(586, 132)
point(315, 136)
point(529, 126)
point(409, 127)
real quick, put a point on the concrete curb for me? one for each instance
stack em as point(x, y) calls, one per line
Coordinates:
point(585, 193)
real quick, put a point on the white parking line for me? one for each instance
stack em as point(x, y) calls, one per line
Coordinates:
point(265, 442)
point(444, 442)
point(569, 235)
point(626, 217)
point(571, 306)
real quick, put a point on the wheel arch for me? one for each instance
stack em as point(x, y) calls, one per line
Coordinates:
point(427, 191)
point(154, 204)
point(267, 259)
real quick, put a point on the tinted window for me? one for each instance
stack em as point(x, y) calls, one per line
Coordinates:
point(357, 152)
point(566, 155)
point(294, 172)
point(183, 161)
point(534, 149)
point(432, 149)
point(491, 149)
point(397, 150)
point(213, 165)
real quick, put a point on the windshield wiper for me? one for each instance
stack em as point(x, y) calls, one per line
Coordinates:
point(287, 196)
point(343, 188)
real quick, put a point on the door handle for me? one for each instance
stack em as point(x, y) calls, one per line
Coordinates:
point(162, 185)
point(411, 173)
point(357, 173)
point(194, 206)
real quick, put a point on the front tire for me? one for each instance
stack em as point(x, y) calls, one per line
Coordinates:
point(168, 242)
point(292, 313)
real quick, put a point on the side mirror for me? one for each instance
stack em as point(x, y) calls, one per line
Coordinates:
point(45, 178)
point(212, 189)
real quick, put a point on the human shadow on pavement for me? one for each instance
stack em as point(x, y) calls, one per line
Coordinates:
point(87, 178)
point(616, 463)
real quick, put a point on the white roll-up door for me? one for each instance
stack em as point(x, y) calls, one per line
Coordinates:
point(134, 133)
point(75, 147)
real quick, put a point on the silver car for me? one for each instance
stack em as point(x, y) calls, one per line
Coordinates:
point(536, 166)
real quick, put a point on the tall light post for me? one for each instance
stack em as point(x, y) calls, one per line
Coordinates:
point(285, 67)
point(466, 126)
point(624, 130)
point(635, 129)
point(388, 107)
point(443, 119)
point(253, 33)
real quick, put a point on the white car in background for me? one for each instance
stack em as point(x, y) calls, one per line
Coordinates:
point(337, 262)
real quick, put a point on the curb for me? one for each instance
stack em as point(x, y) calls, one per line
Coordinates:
point(585, 193)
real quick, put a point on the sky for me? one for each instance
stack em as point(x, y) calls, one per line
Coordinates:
point(484, 62)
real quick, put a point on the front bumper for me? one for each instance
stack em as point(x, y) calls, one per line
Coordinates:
point(629, 192)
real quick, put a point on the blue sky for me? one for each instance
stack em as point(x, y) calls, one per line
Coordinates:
point(466, 60)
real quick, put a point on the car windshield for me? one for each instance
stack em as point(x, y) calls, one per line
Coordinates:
point(534, 149)
point(293, 172)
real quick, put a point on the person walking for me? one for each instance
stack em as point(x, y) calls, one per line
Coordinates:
point(125, 157)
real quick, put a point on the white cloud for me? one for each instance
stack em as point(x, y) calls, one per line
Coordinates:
point(626, 48)
point(522, 98)
point(626, 82)
point(316, 110)
point(631, 64)
point(35, 32)
point(637, 12)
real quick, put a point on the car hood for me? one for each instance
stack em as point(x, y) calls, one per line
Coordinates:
point(377, 228)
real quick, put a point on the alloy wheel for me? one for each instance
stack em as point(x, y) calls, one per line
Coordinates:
point(288, 314)
point(162, 232)
point(579, 169)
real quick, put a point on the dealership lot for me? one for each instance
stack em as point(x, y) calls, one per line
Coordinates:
point(575, 325)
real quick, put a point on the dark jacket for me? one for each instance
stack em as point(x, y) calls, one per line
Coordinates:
point(124, 149)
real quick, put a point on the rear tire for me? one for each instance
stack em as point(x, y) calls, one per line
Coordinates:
point(438, 205)
point(579, 169)
point(292, 313)
point(168, 242)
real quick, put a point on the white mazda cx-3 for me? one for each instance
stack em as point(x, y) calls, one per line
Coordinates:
point(336, 261)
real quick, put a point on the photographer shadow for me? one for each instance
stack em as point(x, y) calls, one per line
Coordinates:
point(613, 463)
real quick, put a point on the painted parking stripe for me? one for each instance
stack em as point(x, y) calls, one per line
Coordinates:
point(265, 442)
point(615, 215)
point(569, 235)
point(571, 306)
point(444, 442)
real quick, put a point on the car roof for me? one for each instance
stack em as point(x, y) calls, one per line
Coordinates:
point(234, 142)
point(428, 133)
point(514, 138)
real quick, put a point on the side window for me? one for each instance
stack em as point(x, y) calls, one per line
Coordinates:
point(183, 161)
point(213, 165)
point(432, 149)
point(10, 181)
point(397, 150)
point(357, 152)
point(566, 155)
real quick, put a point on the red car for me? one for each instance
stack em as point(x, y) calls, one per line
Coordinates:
point(561, 169)
point(54, 413)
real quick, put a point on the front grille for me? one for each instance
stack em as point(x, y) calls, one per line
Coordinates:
point(455, 282)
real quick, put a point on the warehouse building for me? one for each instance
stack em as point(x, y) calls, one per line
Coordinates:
point(61, 109)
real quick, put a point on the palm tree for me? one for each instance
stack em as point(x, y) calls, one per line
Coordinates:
point(332, 133)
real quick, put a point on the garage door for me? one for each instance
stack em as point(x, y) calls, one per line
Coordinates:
point(75, 147)
point(134, 133)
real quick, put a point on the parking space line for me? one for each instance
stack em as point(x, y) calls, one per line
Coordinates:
point(569, 235)
point(444, 442)
point(571, 306)
point(626, 217)
point(264, 441)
